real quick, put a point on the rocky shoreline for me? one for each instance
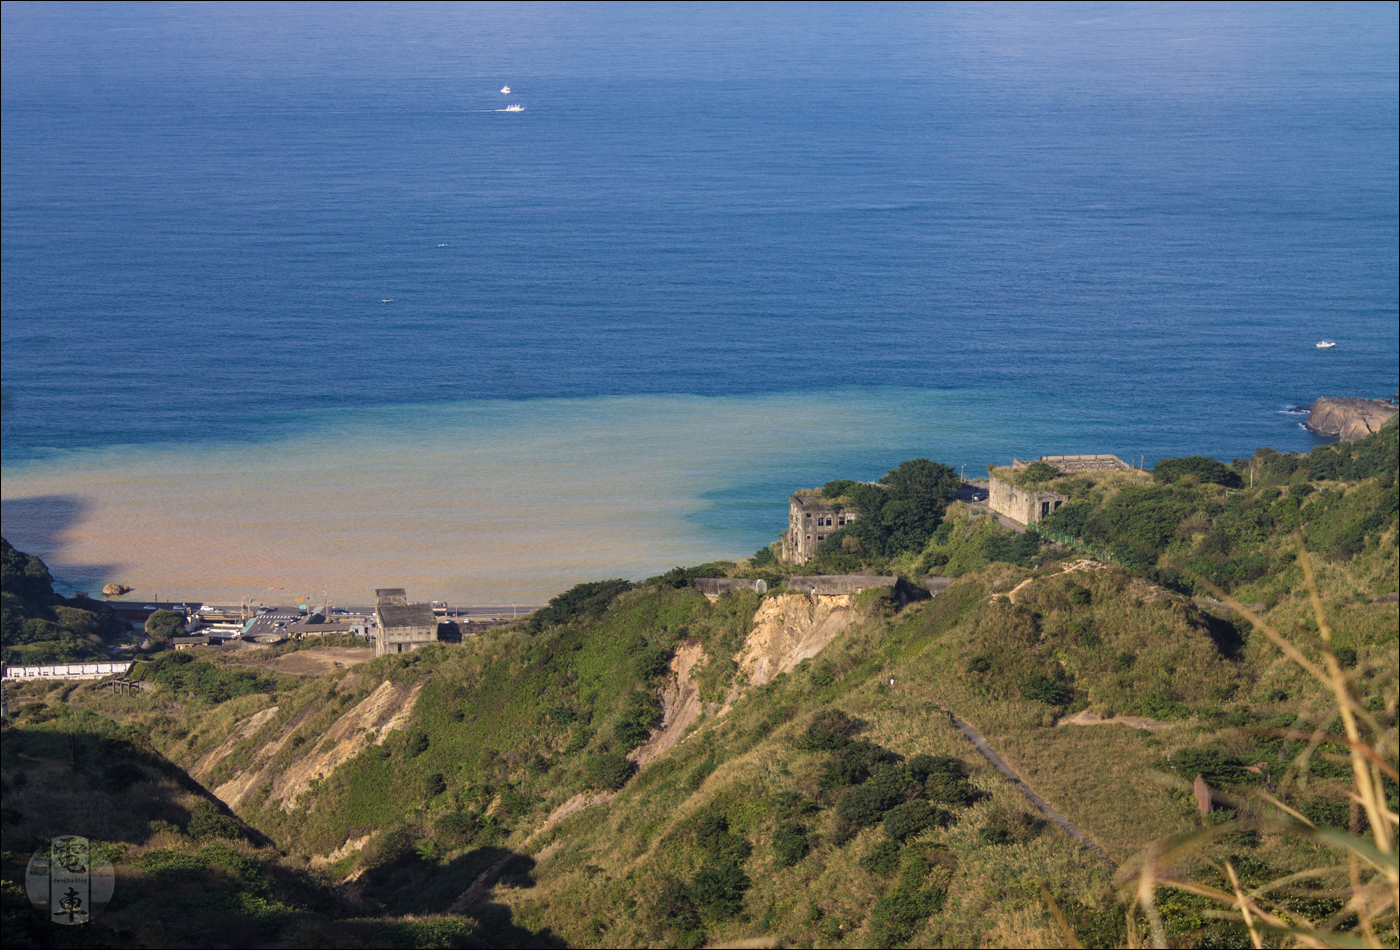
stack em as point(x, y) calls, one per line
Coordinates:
point(1347, 418)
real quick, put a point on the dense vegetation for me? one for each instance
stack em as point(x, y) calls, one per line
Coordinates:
point(513, 801)
point(1233, 527)
point(897, 515)
point(40, 626)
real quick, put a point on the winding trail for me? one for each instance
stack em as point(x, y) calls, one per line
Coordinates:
point(980, 743)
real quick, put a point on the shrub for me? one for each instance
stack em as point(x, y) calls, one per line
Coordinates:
point(1327, 814)
point(837, 487)
point(434, 785)
point(713, 836)
point(854, 763)
point(608, 770)
point(643, 711)
point(207, 822)
point(651, 662)
point(898, 914)
point(1216, 768)
point(1007, 826)
point(951, 790)
point(790, 844)
point(719, 890)
point(458, 829)
point(1205, 469)
point(580, 601)
point(1046, 690)
point(416, 743)
point(674, 905)
point(882, 858)
point(920, 767)
point(866, 805)
point(830, 731)
point(387, 847)
point(906, 820)
point(1039, 472)
point(1078, 595)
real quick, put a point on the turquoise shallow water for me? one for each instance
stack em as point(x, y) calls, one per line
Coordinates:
point(240, 241)
point(493, 501)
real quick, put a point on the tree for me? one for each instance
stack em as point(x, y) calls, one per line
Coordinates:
point(24, 575)
point(164, 624)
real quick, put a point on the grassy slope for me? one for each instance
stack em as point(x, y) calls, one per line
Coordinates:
point(188, 874)
point(514, 720)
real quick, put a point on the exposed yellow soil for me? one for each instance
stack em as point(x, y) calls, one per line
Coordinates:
point(344, 851)
point(244, 731)
point(368, 722)
point(1086, 718)
point(788, 629)
point(680, 705)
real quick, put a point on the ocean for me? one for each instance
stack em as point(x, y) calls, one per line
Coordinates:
point(289, 301)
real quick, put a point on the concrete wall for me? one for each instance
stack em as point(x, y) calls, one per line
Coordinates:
point(937, 585)
point(1021, 505)
point(714, 586)
point(830, 584)
point(403, 639)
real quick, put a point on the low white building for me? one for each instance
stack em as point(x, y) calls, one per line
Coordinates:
point(67, 671)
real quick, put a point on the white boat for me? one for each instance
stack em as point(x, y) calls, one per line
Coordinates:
point(505, 90)
point(1326, 345)
point(515, 108)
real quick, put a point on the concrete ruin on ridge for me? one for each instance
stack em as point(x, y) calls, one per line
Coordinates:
point(811, 517)
point(403, 627)
point(1026, 506)
point(1065, 464)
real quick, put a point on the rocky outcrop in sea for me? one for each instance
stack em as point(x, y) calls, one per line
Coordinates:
point(1349, 419)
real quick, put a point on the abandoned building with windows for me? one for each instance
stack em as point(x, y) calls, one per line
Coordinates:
point(1026, 506)
point(403, 627)
point(811, 517)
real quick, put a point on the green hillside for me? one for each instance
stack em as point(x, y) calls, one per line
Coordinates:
point(40, 626)
point(642, 766)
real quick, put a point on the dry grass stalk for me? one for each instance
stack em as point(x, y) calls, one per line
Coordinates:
point(1373, 891)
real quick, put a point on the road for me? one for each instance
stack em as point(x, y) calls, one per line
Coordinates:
point(981, 744)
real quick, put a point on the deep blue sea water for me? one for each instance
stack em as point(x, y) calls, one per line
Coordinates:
point(1096, 228)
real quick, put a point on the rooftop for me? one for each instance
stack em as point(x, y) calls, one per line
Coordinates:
point(406, 615)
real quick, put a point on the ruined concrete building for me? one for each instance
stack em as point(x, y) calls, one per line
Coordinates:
point(811, 517)
point(1021, 504)
point(1025, 506)
point(403, 627)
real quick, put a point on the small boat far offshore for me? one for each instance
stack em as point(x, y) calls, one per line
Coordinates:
point(514, 108)
point(505, 90)
point(1325, 345)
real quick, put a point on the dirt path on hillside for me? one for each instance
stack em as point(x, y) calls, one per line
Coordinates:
point(1087, 718)
point(317, 661)
point(980, 743)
